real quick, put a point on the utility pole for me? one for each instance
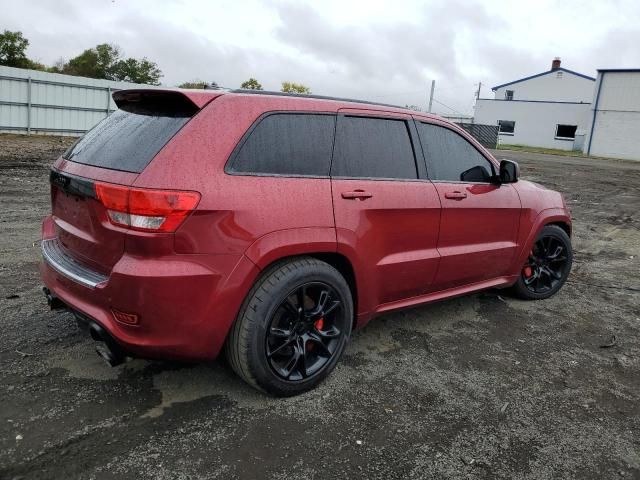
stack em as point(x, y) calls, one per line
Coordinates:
point(478, 93)
point(433, 87)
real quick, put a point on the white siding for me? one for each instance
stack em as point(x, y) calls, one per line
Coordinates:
point(617, 120)
point(551, 87)
point(535, 121)
point(60, 104)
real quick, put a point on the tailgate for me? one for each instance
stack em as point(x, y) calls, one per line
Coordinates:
point(114, 152)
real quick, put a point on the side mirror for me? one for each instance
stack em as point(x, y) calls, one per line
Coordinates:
point(509, 171)
point(475, 174)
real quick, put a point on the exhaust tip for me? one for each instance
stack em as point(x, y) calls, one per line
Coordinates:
point(52, 300)
point(108, 356)
point(107, 348)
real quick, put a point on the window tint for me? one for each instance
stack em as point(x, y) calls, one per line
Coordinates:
point(125, 140)
point(373, 148)
point(288, 144)
point(451, 157)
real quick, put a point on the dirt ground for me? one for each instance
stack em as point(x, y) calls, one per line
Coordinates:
point(484, 386)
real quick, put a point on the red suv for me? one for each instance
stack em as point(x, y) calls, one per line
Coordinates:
point(272, 225)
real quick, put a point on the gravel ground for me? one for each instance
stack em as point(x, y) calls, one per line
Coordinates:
point(484, 386)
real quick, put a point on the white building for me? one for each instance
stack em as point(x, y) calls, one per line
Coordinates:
point(614, 120)
point(550, 109)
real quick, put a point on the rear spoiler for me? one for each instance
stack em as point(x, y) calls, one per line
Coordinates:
point(178, 103)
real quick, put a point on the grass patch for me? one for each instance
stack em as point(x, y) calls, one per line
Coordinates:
point(548, 151)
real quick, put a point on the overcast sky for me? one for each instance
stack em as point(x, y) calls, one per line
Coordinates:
point(387, 51)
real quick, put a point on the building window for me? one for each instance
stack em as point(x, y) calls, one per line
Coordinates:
point(508, 95)
point(506, 127)
point(566, 132)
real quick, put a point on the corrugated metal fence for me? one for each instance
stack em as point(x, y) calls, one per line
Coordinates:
point(53, 104)
point(487, 135)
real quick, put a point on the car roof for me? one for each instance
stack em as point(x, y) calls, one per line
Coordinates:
point(202, 97)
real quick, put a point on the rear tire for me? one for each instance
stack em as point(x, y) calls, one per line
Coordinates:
point(292, 328)
point(546, 269)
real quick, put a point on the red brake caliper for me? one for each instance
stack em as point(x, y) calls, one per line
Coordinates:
point(319, 324)
point(528, 271)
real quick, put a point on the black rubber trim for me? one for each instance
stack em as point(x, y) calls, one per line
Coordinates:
point(72, 185)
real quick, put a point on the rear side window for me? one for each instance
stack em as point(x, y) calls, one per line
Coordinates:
point(451, 157)
point(129, 138)
point(373, 148)
point(288, 144)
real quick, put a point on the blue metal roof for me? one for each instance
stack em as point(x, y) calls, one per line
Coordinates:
point(619, 69)
point(544, 73)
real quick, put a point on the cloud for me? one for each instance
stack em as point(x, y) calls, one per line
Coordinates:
point(380, 50)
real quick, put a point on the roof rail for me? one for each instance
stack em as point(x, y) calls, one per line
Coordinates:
point(319, 97)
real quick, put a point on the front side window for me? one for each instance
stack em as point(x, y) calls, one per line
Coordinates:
point(566, 132)
point(508, 95)
point(451, 157)
point(373, 148)
point(506, 127)
point(288, 144)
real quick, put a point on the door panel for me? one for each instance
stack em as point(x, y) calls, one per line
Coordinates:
point(478, 232)
point(392, 231)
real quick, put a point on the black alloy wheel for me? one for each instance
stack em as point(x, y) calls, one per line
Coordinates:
point(304, 331)
point(547, 266)
point(292, 327)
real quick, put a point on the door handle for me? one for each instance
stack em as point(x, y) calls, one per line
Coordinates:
point(356, 195)
point(455, 195)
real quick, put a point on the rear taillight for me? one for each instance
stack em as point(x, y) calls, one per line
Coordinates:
point(144, 209)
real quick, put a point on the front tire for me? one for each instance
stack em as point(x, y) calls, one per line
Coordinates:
point(547, 267)
point(292, 328)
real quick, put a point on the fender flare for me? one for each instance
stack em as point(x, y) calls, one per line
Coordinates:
point(545, 217)
point(286, 243)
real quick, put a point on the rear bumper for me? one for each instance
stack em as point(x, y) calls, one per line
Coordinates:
point(185, 303)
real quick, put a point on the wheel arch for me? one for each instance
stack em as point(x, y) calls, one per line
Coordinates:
point(551, 216)
point(337, 260)
point(566, 226)
point(319, 243)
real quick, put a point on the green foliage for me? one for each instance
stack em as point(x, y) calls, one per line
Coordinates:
point(95, 62)
point(13, 48)
point(103, 61)
point(251, 84)
point(197, 84)
point(291, 87)
point(136, 71)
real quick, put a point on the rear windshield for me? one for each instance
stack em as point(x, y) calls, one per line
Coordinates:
point(127, 140)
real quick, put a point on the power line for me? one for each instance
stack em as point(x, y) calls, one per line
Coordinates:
point(447, 106)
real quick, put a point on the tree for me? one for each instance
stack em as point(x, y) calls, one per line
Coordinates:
point(57, 67)
point(194, 84)
point(136, 71)
point(105, 61)
point(291, 87)
point(251, 84)
point(13, 47)
point(95, 62)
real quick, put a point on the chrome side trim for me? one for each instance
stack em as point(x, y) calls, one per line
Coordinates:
point(55, 256)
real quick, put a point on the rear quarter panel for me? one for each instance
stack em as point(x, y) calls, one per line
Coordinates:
point(236, 210)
